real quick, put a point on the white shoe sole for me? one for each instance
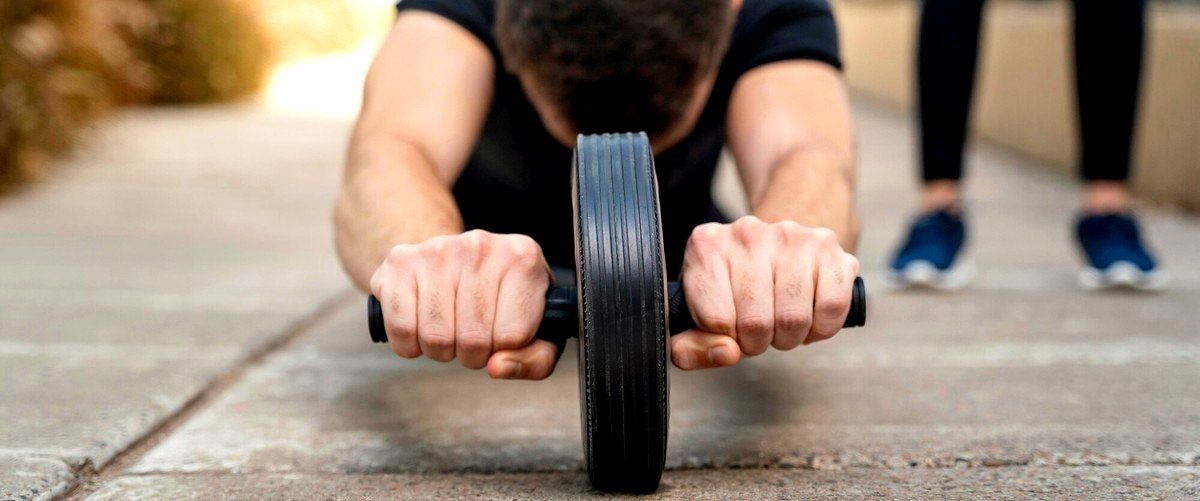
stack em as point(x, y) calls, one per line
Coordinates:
point(925, 274)
point(1122, 275)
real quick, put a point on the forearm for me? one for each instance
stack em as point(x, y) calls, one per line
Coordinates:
point(813, 186)
point(391, 195)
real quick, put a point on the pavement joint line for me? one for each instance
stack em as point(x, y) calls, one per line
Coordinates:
point(90, 479)
point(581, 471)
point(814, 463)
point(834, 463)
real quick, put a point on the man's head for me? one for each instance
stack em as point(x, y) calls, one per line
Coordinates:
point(592, 66)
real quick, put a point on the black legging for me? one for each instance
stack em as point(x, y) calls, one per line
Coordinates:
point(1108, 64)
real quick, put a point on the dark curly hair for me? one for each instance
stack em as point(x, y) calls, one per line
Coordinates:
point(615, 65)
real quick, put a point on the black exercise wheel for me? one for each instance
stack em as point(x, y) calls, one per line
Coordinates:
point(622, 310)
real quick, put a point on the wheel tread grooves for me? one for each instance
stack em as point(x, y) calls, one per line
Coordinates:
point(624, 385)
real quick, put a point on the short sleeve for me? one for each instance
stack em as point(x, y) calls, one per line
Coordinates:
point(476, 16)
point(769, 31)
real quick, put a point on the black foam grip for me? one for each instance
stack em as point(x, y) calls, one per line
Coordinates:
point(375, 320)
point(561, 321)
point(681, 318)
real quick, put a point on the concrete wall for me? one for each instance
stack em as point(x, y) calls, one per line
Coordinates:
point(1025, 90)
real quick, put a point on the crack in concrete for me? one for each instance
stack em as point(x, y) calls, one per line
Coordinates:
point(88, 478)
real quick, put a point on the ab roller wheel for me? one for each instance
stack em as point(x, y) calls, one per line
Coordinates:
point(623, 311)
point(623, 315)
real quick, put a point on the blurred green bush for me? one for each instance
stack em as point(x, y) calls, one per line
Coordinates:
point(64, 63)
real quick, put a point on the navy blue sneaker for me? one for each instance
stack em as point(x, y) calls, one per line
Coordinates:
point(931, 254)
point(1115, 254)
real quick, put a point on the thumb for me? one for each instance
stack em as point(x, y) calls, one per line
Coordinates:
point(696, 349)
point(533, 362)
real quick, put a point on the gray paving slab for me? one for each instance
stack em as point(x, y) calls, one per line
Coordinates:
point(335, 403)
point(1039, 312)
point(27, 478)
point(232, 265)
point(94, 406)
point(857, 483)
point(213, 161)
point(68, 329)
point(175, 244)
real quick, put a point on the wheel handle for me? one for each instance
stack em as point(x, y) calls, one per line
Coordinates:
point(562, 312)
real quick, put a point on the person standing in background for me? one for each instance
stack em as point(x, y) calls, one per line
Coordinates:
point(1109, 38)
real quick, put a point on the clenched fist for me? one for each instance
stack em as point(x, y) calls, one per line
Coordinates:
point(477, 297)
point(752, 285)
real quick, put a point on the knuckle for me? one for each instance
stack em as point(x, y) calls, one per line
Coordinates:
point(474, 241)
point(400, 328)
point(789, 226)
point(854, 264)
point(438, 340)
point(524, 249)
point(825, 236)
point(404, 350)
point(400, 255)
point(748, 228)
point(788, 342)
point(820, 335)
point(476, 235)
point(377, 283)
point(748, 221)
point(793, 320)
point(435, 248)
point(753, 325)
point(716, 323)
point(512, 339)
point(833, 306)
point(790, 232)
point(475, 341)
point(706, 234)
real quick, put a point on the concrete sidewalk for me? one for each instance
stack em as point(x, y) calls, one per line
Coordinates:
point(168, 255)
point(173, 324)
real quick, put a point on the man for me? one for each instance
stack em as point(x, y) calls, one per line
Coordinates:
point(1108, 66)
point(456, 196)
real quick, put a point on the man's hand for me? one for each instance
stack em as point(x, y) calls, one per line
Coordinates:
point(476, 296)
point(752, 285)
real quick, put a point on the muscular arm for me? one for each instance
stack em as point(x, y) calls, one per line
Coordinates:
point(424, 104)
point(791, 134)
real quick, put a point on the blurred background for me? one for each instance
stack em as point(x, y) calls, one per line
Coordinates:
point(174, 323)
point(1025, 89)
point(64, 64)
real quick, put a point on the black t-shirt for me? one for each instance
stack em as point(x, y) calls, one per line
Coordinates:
point(518, 178)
